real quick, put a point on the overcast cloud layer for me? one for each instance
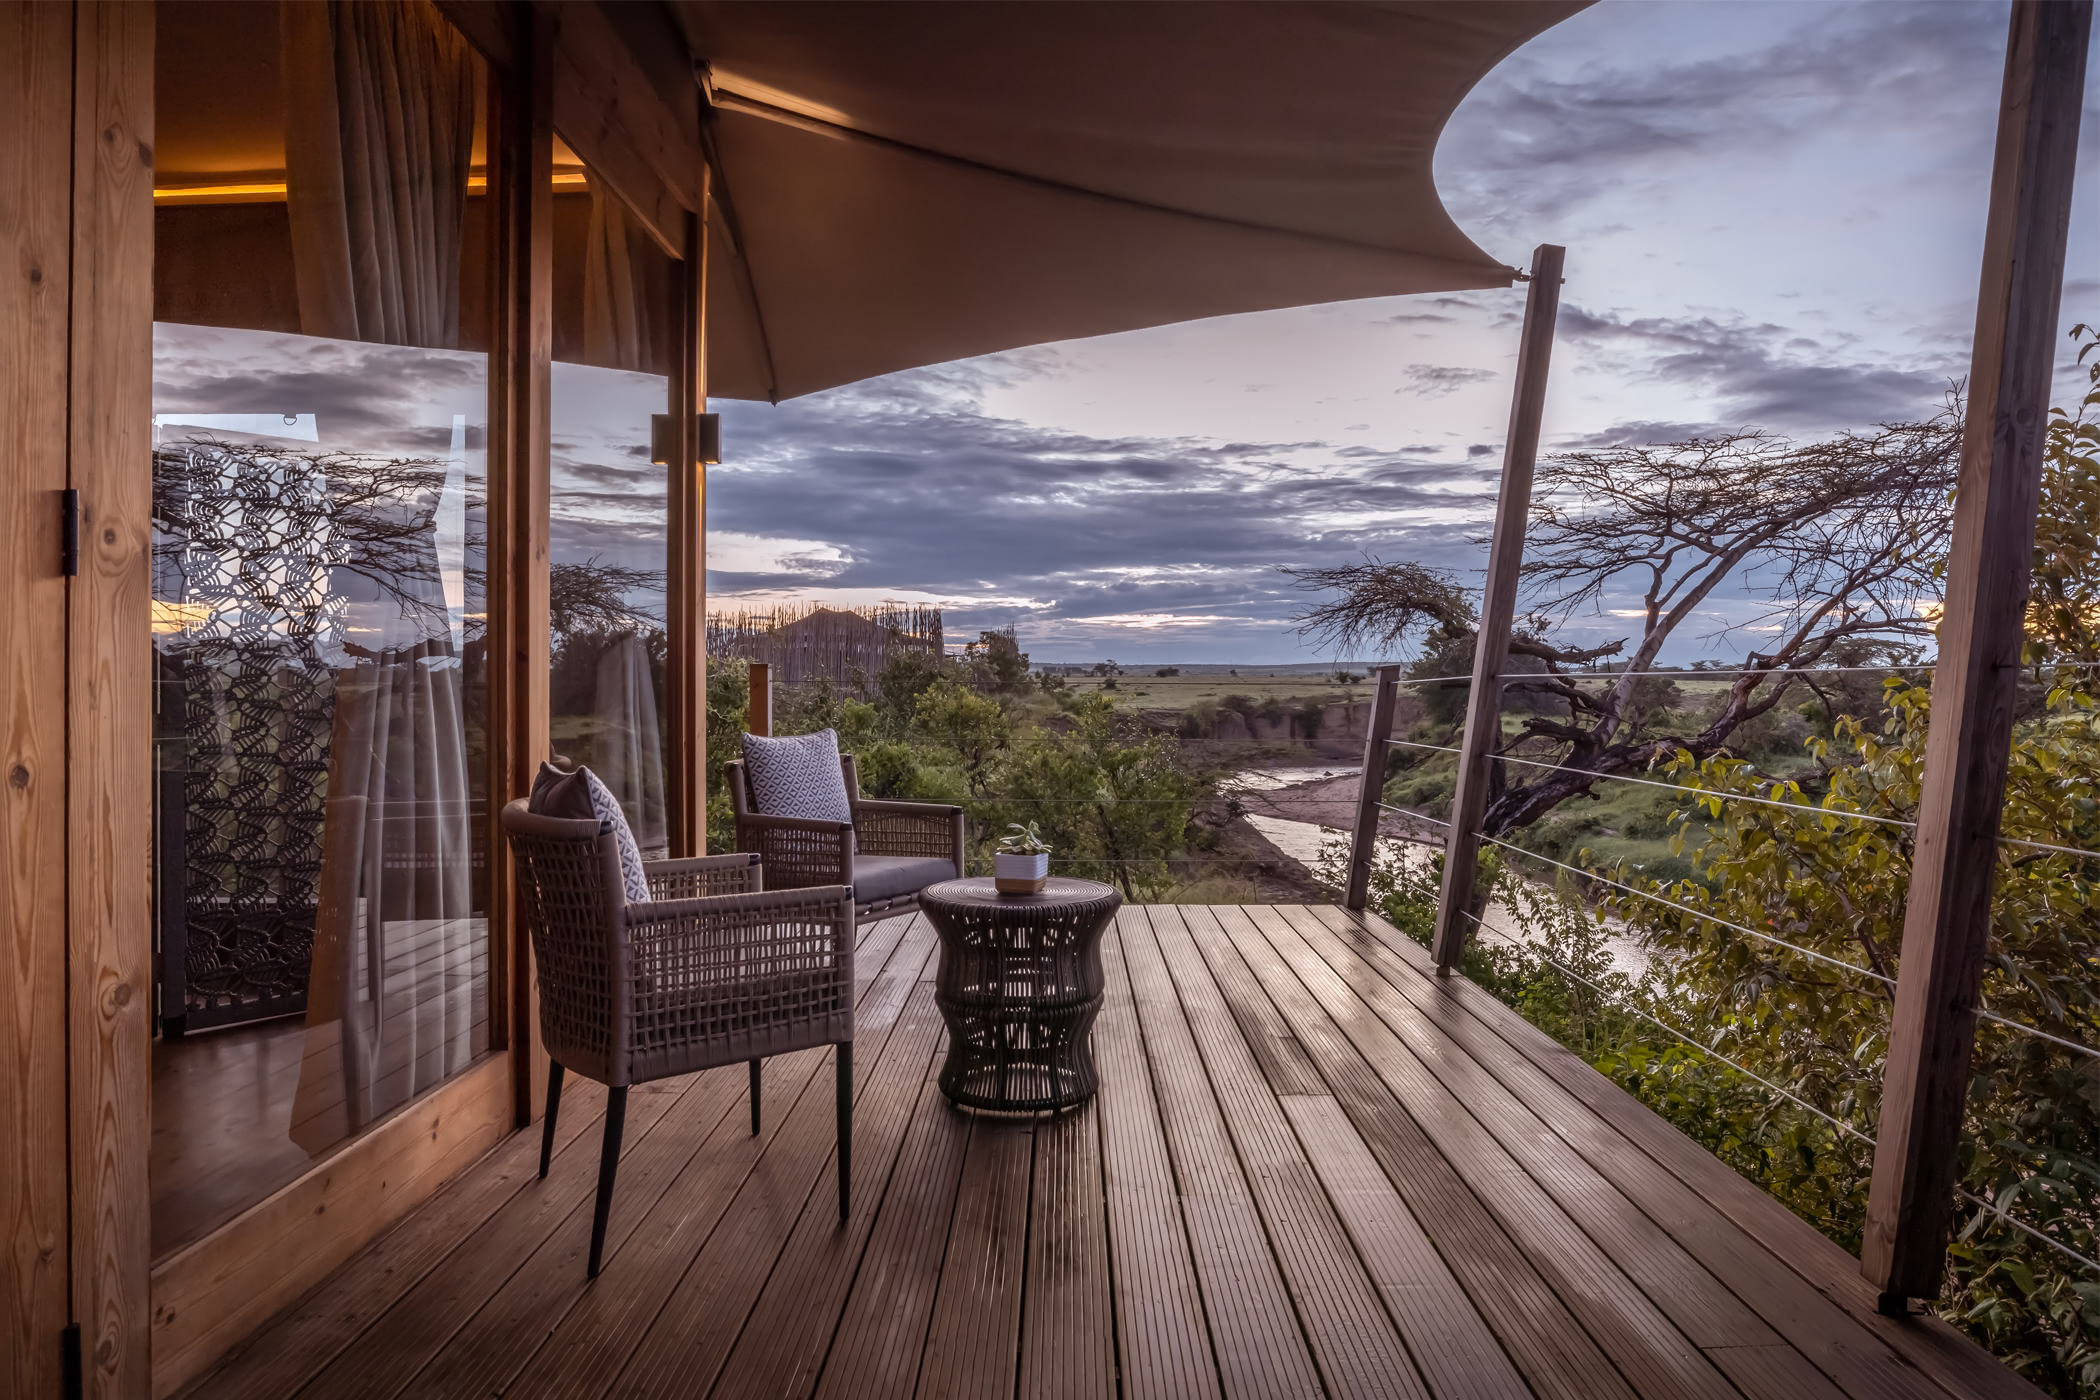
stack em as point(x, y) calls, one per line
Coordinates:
point(1773, 216)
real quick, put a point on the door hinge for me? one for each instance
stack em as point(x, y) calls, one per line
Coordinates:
point(69, 1351)
point(69, 533)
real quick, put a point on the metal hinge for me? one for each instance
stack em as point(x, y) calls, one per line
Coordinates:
point(69, 533)
point(72, 1377)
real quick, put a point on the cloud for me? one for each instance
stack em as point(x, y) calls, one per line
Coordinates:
point(1761, 373)
point(1434, 381)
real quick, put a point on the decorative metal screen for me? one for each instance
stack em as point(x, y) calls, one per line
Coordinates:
point(244, 617)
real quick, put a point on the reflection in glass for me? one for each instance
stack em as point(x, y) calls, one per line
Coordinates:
point(319, 609)
point(607, 530)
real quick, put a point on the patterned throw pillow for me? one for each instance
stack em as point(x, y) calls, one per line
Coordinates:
point(798, 777)
point(579, 796)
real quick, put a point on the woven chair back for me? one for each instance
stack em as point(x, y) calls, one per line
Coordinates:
point(568, 875)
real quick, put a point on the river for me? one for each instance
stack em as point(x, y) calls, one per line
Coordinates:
point(1313, 790)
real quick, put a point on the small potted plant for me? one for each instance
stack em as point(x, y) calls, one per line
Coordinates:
point(1021, 865)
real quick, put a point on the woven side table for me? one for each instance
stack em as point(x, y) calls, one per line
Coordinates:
point(1019, 986)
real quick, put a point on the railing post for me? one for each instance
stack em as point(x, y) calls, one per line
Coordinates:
point(759, 715)
point(1498, 606)
point(1946, 926)
point(1364, 844)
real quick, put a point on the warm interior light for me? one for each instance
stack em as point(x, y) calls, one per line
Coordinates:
point(736, 84)
point(269, 191)
point(179, 617)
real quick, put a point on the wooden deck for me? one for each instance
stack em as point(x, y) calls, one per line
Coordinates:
point(1311, 1169)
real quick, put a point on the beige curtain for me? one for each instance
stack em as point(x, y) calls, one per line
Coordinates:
point(629, 745)
point(616, 326)
point(379, 99)
point(399, 967)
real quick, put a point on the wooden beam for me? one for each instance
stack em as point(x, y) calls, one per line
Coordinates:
point(1946, 927)
point(636, 134)
point(1498, 605)
point(1384, 701)
point(36, 182)
point(685, 609)
point(521, 359)
point(611, 114)
point(109, 688)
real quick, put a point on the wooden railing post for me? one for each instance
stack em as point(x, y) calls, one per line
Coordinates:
point(1364, 843)
point(759, 716)
point(1498, 606)
point(1946, 926)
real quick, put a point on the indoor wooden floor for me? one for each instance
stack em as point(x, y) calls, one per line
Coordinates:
point(1311, 1169)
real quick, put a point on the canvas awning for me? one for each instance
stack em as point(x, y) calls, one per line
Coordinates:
point(902, 184)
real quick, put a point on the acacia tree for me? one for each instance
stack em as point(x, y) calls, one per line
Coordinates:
point(1838, 540)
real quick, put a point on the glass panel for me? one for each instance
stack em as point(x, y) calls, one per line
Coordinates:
point(607, 533)
point(319, 484)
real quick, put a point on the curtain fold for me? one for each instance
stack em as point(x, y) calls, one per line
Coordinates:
point(629, 747)
point(399, 961)
point(379, 131)
point(617, 331)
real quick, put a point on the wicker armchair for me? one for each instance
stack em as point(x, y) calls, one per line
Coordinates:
point(713, 970)
point(887, 853)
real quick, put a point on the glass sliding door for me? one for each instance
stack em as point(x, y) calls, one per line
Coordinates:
point(607, 530)
point(320, 484)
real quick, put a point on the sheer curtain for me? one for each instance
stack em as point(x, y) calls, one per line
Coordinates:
point(629, 748)
point(379, 133)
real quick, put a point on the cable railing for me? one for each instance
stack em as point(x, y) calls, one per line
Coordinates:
point(1863, 967)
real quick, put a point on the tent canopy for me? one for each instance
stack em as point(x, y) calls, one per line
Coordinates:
point(902, 184)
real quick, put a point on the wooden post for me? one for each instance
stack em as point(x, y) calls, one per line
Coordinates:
point(106, 723)
point(685, 609)
point(36, 170)
point(1364, 843)
point(1946, 924)
point(521, 360)
point(1498, 606)
point(760, 713)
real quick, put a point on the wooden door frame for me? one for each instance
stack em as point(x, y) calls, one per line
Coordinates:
point(216, 1290)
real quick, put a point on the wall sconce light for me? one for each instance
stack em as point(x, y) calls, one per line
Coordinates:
point(663, 442)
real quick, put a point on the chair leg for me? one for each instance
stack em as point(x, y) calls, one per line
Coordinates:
point(608, 1168)
point(554, 1072)
point(845, 1068)
point(754, 1098)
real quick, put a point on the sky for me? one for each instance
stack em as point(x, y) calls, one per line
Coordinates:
point(1773, 218)
point(1773, 215)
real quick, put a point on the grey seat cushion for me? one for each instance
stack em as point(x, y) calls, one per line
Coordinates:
point(798, 777)
point(886, 877)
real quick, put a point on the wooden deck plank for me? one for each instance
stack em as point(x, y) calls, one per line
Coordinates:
point(1162, 1334)
point(602, 1333)
point(781, 1351)
point(1256, 1334)
point(487, 1352)
point(1594, 1196)
point(1511, 1287)
point(1068, 1330)
point(976, 1329)
point(403, 1339)
point(882, 1333)
point(1934, 1348)
point(1453, 1346)
point(1356, 1343)
point(281, 1358)
point(1312, 1169)
point(1457, 1353)
point(686, 1343)
point(1646, 1347)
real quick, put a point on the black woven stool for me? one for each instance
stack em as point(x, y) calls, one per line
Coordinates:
point(1019, 986)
